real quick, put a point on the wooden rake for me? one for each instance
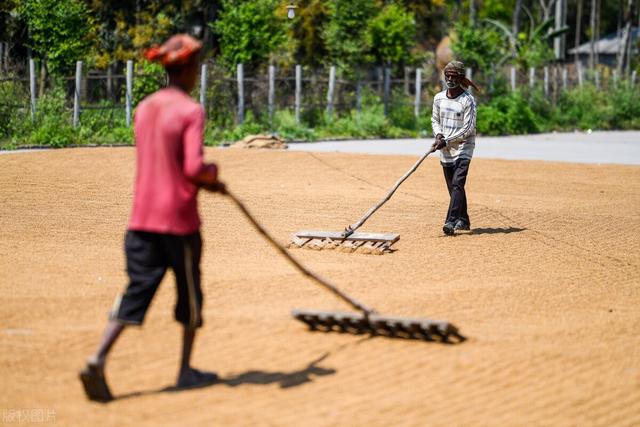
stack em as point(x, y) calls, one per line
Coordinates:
point(366, 320)
point(349, 240)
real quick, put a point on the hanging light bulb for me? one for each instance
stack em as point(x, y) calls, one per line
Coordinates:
point(291, 10)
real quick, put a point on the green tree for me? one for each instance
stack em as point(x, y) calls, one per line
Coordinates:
point(60, 31)
point(307, 29)
point(531, 49)
point(250, 31)
point(479, 47)
point(391, 35)
point(346, 32)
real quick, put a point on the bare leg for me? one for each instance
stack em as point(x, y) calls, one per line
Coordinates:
point(111, 334)
point(187, 346)
point(92, 376)
point(188, 376)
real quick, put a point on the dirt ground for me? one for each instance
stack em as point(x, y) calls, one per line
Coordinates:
point(546, 287)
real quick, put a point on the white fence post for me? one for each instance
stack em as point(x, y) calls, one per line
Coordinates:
point(32, 87)
point(203, 86)
point(387, 90)
point(272, 93)
point(597, 77)
point(565, 78)
point(634, 75)
point(76, 98)
point(513, 78)
point(332, 84)
point(240, 79)
point(615, 78)
point(129, 93)
point(416, 108)
point(532, 77)
point(469, 74)
point(298, 95)
point(580, 74)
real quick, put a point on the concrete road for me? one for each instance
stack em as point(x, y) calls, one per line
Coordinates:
point(617, 147)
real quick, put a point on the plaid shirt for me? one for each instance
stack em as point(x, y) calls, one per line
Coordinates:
point(456, 120)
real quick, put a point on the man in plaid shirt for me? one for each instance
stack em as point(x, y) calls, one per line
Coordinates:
point(454, 126)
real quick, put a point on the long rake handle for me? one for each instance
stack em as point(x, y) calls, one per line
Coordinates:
point(349, 230)
point(324, 282)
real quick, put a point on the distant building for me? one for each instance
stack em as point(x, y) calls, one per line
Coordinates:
point(606, 48)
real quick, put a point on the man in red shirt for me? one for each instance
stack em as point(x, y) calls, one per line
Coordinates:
point(164, 228)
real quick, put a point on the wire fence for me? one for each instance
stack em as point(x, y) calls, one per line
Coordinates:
point(108, 99)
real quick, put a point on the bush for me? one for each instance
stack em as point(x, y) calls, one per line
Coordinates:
point(625, 112)
point(286, 126)
point(583, 108)
point(52, 126)
point(508, 114)
point(149, 77)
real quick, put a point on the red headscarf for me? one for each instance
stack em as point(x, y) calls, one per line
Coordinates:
point(178, 50)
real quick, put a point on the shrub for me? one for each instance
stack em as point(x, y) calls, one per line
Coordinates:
point(583, 108)
point(509, 114)
point(149, 77)
point(625, 112)
point(52, 126)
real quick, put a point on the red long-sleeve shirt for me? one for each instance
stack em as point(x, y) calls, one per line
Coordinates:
point(169, 163)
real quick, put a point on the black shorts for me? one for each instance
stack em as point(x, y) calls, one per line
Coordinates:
point(149, 255)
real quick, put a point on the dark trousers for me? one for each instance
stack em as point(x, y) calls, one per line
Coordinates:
point(149, 256)
point(455, 174)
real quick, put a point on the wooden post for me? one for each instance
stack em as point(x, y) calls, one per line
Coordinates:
point(332, 84)
point(580, 74)
point(5, 57)
point(554, 83)
point(565, 77)
point(380, 78)
point(32, 87)
point(240, 79)
point(416, 103)
point(76, 98)
point(469, 74)
point(203, 86)
point(110, 82)
point(272, 93)
point(546, 81)
point(407, 71)
point(298, 96)
point(387, 90)
point(129, 93)
point(532, 77)
point(513, 78)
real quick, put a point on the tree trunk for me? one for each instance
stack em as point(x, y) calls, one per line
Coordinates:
point(624, 39)
point(598, 12)
point(592, 38)
point(472, 12)
point(578, 29)
point(546, 9)
point(43, 78)
point(516, 18)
